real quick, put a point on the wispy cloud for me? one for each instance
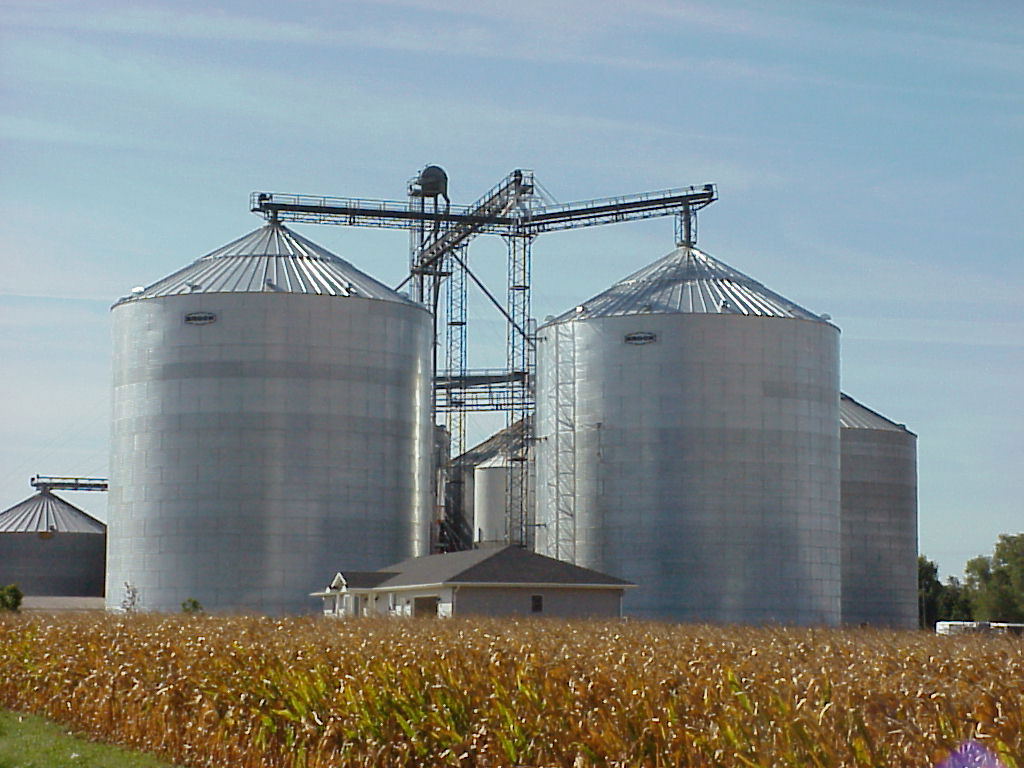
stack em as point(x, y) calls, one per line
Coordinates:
point(25, 128)
point(579, 33)
point(473, 35)
point(930, 34)
point(164, 84)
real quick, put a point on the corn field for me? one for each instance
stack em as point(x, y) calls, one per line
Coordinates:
point(310, 693)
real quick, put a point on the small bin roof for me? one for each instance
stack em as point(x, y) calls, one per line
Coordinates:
point(47, 513)
point(271, 259)
point(688, 281)
point(854, 415)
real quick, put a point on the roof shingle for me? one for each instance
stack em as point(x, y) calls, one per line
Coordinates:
point(497, 565)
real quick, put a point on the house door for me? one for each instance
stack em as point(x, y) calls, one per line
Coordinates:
point(425, 606)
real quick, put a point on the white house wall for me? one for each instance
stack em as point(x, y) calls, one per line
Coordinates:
point(517, 601)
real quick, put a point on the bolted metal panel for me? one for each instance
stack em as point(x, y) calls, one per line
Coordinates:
point(879, 518)
point(259, 449)
point(54, 563)
point(706, 455)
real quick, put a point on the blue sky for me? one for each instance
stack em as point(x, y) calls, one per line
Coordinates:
point(869, 158)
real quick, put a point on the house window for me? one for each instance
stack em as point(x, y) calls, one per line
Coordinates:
point(537, 603)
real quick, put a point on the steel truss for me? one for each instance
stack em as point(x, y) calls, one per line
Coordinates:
point(458, 532)
point(455, 350)
point(520, 353)
point(562, 476)
point(66, 483)
point(438, 243)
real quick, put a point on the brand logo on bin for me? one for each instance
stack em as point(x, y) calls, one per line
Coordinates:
point(640, 337)
point(201, 318)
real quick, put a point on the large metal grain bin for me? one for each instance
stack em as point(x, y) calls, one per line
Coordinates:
point(688, 441)
point(879, 518)
point(271, 422)
point(49, 547)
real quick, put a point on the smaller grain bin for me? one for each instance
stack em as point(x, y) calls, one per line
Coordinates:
point(51, 548)
point(478, 487)
point(878, 519)
point(490, 499)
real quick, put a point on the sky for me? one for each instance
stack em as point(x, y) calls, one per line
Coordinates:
point(869, 159)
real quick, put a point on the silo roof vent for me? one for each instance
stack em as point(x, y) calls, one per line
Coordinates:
point(271, 259)
point(688, 281)
point(46, 513)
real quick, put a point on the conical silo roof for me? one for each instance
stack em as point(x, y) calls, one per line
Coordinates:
point(688, 281)
point(47, 513)
point(271, 259)
point(854, 415)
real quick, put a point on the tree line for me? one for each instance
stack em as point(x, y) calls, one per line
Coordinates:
point(992, 588)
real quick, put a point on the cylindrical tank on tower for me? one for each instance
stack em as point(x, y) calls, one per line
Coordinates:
point(271, 425)
point(688, 441)
point(879, 518)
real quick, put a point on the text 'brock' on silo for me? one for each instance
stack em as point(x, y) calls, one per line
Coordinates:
point(271, 424)
point(688, 441)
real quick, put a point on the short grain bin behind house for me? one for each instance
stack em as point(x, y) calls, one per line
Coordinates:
point(50, 548)
point(478, 486)
point(879, 518)
point(271, 417)
point(688, 439)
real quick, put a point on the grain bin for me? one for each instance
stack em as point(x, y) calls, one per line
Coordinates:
point(49, 547)
point(478, 489)
point(490, 500)
point(271, 422)
point(688, 441)
point(879, 518)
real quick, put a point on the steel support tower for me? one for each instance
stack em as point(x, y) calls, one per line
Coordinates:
point(520, 353)
point(438, 266)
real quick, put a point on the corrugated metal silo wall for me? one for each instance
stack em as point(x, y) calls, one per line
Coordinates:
point(66, 564)
point(703, 466)
point(879, 527)
point(255, 456)
point(490, 496)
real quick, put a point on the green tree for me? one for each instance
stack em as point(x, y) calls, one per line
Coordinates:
point(10, 598)
point(929, 589)
point(995, 584)
point(191, 605)
point(937, 601)
point(954, 601)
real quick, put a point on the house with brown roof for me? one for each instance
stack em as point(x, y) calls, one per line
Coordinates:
point(495, 581)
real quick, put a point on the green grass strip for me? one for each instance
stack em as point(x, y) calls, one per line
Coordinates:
point(28, 741)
